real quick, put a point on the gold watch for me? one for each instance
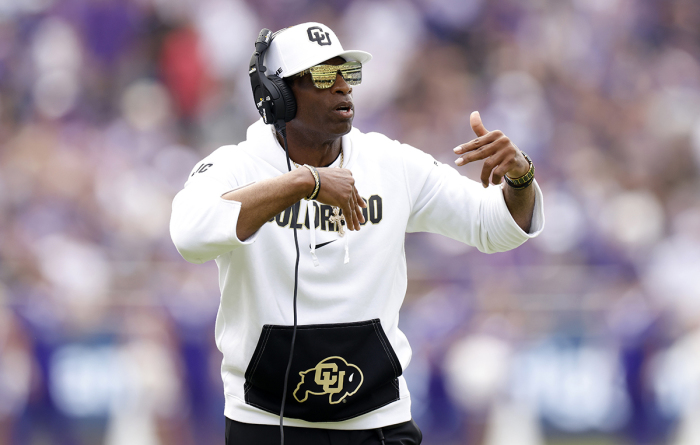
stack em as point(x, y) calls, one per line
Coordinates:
point(526, 179)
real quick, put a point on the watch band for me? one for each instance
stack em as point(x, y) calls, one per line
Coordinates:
point(525, 180)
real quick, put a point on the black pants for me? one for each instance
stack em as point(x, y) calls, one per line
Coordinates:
point(238, 433)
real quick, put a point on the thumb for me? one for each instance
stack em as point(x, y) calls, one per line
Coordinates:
point(477, 126)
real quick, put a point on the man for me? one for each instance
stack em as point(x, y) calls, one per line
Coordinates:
point(365, 192)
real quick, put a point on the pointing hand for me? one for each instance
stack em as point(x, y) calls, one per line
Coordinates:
point(500, 155)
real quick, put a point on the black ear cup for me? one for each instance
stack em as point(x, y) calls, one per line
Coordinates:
point(288, 102)
point(273, 97)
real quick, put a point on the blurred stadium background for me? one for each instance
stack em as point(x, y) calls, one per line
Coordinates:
point(588, 335)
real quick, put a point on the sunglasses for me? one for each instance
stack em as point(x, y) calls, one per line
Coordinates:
point(324, 75)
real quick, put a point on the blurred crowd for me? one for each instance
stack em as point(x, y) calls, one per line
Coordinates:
point(589, 334)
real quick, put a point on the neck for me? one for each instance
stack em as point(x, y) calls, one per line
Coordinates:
point(307, 149)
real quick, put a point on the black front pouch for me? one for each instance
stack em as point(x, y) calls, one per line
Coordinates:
point(339, 371)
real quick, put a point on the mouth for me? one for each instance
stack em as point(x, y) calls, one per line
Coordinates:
point(345, 109)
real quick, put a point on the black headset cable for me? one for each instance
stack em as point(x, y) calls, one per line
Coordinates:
point(282, 128)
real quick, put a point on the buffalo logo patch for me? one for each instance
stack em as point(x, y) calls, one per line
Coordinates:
point(333, 376)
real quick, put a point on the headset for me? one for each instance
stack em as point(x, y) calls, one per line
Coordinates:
point(276, 104)
point(273, 98)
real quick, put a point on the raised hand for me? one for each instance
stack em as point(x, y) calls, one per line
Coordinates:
point(499, 153)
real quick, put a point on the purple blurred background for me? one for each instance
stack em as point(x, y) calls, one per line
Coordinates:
point(587, 335)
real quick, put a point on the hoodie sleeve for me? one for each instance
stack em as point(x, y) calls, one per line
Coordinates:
point(445, 202)
point(202, 223)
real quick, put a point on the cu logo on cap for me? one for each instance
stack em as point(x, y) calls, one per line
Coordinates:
point(317, 35)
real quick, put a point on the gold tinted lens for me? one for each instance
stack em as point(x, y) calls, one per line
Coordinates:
point(324, 75)
point(352, 73)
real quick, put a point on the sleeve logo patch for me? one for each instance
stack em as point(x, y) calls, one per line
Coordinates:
point(202, 168)
point(333, 376)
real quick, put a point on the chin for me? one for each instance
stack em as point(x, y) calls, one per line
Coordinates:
point(343, 128)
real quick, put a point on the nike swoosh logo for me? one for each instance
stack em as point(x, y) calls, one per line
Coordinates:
point(318, 246)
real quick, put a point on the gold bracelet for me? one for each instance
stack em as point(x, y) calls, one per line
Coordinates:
point(317, 178)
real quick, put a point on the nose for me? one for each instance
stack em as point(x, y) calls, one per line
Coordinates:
point(340, 85)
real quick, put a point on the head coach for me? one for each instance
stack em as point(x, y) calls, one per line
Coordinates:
point(306, 220)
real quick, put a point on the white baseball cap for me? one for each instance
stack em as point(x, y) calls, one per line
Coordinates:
point(299, 47)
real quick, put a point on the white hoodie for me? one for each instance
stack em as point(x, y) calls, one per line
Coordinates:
point(407, 191)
